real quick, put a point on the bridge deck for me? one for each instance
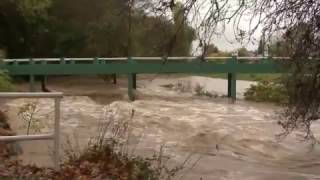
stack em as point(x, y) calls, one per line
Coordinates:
point(144, 65)
point(138, 65)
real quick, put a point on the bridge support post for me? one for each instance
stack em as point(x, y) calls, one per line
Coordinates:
point(232, 79)
point(131, 87)
point(44, 82)
point(134, 81)
point(31, 83)
point(229, 84)
point(234, 87)
point(114, 77)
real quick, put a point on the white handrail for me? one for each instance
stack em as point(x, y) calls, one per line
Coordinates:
point(26, 137)
point(56, 134)
point(139, 58)
point(31, 95)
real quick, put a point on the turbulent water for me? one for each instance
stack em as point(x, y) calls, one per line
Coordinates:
point(226, 140)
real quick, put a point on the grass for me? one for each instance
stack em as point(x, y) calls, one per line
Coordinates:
point(247, 77)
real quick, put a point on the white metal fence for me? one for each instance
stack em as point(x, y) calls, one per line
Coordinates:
point(55, 136)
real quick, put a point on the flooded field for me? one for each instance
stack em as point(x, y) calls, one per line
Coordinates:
point(227, 141)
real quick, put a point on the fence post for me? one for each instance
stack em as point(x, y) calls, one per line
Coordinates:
point(56, 133)
point(96, 60)
point(62, 61)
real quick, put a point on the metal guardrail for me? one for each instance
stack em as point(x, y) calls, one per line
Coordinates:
point(131, 66)
point(66, 59)
point(55, 136)
point(126, 58)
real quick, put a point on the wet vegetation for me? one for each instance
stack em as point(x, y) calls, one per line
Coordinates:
point(201, 91)
point(186, 87)
point(98, 161)
point(5, 82)
point(107, 156)
point(249, 77)
point(267, 91)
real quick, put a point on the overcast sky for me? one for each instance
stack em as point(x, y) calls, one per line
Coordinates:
point(226, 41)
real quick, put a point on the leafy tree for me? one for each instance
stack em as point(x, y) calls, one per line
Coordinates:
point(22, 26)
point(243, 52)
point(35, 28)
point(13, 29)
point(212, 49)
point(279, 48)
point(261, 47)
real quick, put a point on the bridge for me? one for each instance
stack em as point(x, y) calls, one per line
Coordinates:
point(132, 66)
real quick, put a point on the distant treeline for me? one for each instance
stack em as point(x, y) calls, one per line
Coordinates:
point(89, 28)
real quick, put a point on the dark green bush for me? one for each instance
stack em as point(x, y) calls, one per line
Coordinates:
point(5, 82)
point(267, 91)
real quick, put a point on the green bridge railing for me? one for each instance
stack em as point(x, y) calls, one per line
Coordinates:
point(144, 65)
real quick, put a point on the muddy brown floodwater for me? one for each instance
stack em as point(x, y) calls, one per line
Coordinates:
point(227, 141)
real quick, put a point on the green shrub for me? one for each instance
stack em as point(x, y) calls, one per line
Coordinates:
point(5, 82)
point(267, 91)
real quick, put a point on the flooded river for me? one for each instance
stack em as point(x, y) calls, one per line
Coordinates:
point(227, 141)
